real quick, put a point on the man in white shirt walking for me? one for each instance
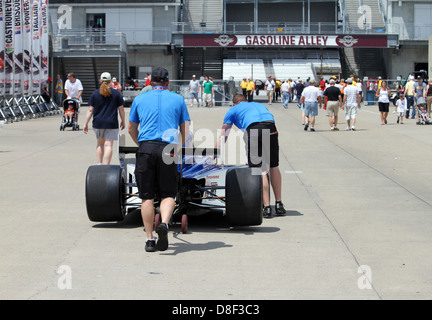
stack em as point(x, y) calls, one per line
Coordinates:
point(351, 102)
point(270, 88)
point(310, 98)
point(194, 87)
point(286, 93)
point(73, 87)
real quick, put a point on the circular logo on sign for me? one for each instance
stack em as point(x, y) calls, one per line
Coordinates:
point(224, 40)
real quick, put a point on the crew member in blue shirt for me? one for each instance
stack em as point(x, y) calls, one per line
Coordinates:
point(256, 120)
point(154, 119)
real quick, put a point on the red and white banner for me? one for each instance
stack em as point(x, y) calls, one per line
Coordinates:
point(8, 20)
point(286, 41)
point(2, 51)
point(18, 48)
point(24, 55)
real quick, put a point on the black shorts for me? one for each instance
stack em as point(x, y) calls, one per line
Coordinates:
point(261, 154)
point(156, 171)
point(383, 107)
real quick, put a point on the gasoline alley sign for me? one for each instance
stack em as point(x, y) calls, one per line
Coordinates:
point(224, 40)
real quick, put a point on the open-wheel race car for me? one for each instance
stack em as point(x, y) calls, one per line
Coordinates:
point(203, 186)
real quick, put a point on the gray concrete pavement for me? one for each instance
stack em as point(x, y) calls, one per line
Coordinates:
point(359, 223)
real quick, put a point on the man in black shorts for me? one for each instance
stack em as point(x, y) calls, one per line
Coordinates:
point(262, 144)
point(158, 114)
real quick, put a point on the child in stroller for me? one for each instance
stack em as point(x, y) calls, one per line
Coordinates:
point(70, 115)
point(423, 115)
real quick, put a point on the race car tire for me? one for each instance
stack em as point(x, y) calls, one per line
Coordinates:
point(243, 196)
point(104, 188)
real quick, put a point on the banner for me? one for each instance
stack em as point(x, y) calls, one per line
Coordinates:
point(285, 41)
point(27, 46)
point(2, 52)
point(35, 50)
point(9, 46)
point(24, 55)
point(18, 50)
point(44, 40)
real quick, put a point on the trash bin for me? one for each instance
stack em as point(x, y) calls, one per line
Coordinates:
point(218, 97)
point(370, 97)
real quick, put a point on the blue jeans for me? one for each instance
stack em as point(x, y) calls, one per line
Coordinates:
point(298, 99)
point(410, 103)
point(285, 98)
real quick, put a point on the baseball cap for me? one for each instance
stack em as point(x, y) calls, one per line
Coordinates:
point(349, 80)
point(159, 72)
point(106, 76)
point(49, 79)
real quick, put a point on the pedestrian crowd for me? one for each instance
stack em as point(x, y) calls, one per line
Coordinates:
point(346, 95)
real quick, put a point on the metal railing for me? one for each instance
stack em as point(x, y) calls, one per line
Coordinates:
point(224, 91)
point(88, 40)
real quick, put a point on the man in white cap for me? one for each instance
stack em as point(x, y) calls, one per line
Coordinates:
point(194, 87)
point(351, 102)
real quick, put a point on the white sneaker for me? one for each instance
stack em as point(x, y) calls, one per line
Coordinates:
point(353, 128)
point(348, 129)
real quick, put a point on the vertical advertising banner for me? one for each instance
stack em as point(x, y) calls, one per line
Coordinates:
point(2, 51)
point(44, 39)
point(27, 46)
point(36, 51)
point(8, 20)
point(18, 50)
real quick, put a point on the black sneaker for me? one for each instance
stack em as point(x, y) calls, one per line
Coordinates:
point(306, 126)
point(267, 212)
point(150, 246)
point(280, 210)
point(162, 231)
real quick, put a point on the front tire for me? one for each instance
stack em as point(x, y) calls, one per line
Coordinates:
point(104, 193)
point(243, 193)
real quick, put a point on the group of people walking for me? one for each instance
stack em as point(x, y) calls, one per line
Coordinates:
point(347, 95)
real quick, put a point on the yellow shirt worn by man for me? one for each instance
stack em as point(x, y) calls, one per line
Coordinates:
point(244, 84)
point(250, 86)
point(409, 88)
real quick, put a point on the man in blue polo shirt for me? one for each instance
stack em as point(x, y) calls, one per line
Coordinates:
point(258, 123)
point(158, 114)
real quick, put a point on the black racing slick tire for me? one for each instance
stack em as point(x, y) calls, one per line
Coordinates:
point(104, 193)
point(243, 195)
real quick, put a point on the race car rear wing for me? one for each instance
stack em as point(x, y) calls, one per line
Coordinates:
point(189, 151)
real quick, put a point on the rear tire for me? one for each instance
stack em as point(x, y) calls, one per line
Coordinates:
point(104, 198)
point(243, 197)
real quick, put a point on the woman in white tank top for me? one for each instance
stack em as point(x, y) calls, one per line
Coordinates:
point(383, 101)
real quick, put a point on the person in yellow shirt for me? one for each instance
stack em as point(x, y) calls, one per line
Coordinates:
point(379, 82)
point(278, 93)
point(354, 83)
point(250, 90)
point(243, 86)
point(409, 95)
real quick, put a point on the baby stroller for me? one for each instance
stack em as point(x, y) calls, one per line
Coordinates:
point(72, 106)
point(422, 110)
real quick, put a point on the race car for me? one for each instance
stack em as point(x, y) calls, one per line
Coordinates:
point(204, 186)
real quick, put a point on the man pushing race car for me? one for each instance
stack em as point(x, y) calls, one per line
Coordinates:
point(262, 145)
point(158, 114)
point(194, 185)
